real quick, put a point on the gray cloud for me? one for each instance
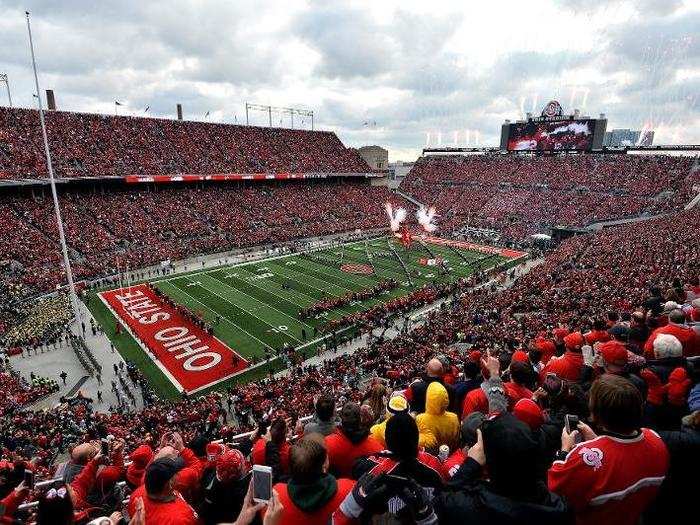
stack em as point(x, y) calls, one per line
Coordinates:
point(349, 41)
point(646, 7)
point(400, 69)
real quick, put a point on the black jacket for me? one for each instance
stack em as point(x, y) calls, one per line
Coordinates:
point(679, 489)
point(475, 502)
point(221, 502)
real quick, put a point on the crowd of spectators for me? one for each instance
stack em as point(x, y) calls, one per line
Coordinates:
point(571, 396)
point(17, 392)
point(530, 404)
point(523, 195)
point(91, 145)
point(33, 323)
point(134, 228)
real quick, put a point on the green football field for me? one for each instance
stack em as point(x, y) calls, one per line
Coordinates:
point(257, 304)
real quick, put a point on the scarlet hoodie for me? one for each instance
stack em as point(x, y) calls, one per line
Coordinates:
point(345, 447)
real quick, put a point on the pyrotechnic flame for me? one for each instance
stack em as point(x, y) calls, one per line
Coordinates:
point(395, 217)
point(425, 219)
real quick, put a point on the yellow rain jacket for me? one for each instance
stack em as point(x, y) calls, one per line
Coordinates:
point(436, 425)
point(377, 431)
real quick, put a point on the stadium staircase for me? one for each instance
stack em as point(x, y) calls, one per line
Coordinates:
point(595, 226)
point(693, 202)
point(409, 198)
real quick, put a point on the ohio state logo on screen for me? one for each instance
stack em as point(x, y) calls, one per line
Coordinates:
point(552, 109)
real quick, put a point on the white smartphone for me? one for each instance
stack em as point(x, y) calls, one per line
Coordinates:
point(262, 483)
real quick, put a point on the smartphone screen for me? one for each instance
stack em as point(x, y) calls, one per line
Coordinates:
point(262, 484)
point(571, 424)
point(29, 479)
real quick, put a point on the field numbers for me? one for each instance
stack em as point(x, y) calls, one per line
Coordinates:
point(261, 276)
point(280, 328)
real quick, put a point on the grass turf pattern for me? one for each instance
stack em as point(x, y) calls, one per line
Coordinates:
point(257, 304)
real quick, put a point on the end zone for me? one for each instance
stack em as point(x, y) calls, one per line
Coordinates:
point(188, 356)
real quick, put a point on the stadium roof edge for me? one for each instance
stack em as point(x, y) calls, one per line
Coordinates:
point(625, 149)
point(182, 177)
point(148, 117)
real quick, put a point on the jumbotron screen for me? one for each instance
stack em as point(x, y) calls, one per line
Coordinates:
point(551, 135)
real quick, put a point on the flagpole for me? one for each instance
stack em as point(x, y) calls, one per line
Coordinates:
point(61, 235)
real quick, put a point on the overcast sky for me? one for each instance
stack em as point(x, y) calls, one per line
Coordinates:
point(402, 74)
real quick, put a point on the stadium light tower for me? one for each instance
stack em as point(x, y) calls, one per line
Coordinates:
point(61, 234)
point(3, 78)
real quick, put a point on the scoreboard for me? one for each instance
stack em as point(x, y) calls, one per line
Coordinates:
point(553, 131)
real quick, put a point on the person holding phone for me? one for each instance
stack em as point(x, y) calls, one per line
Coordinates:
point(603, 477)
point(163, 505)
point(311, 495)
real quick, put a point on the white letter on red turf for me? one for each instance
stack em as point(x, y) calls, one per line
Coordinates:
point(189, 364)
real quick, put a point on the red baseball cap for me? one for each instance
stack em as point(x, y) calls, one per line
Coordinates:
point(560, 333)
point(574, 340)
point(614, 353)
point(529, 412)
point(214, 450)
point(232, 464)
point(520, 355)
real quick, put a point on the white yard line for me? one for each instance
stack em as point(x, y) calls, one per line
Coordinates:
point(264, 305)
point(245, 310)
point(247, 263)
point(318, 279)
point(275, 291)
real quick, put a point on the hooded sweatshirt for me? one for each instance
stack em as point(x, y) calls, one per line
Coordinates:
point(345, 446)
point(481, 504)
point(140, 457)
point(314, 503)
point(379, 430)
point(437, 426)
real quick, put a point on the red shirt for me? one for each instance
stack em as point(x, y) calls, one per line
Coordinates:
point(187, 480)
point(611, 479)
point(293, 515)
point(475, 401)
point(258, 454)
point(452, 464)
point(568, 366)
point(176, 512)
point(9, 504)
point(516, 392)
point(342, 453)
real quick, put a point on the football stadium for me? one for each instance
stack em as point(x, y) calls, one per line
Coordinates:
point(321, 309)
